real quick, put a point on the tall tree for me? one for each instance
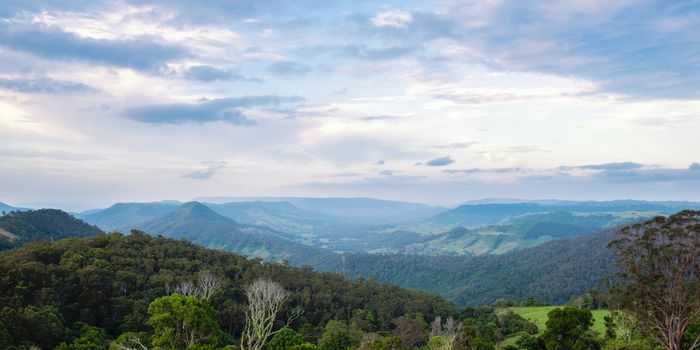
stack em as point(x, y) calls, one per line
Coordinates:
point(265, 301)
point(659, 278)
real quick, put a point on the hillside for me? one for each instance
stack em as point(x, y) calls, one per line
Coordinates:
point(552, 271)
point(125, 216)
point(21, 227)
point(198, 223)
point(356, 210)
point(108, 280)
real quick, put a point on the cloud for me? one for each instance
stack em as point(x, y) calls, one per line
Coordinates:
point(694, 166)
point(387, 172)
point(48, 154)
point(606, 166)
point(373, 118)
point(289, 69)
point(43, 85)
point(399, 19)
point(206, 173)
point(223, 109)
point(482, 171)
point(458, 145)
point(210, 74)
point(442, 161)
point(51, 42)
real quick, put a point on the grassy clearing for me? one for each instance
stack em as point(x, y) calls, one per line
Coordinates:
point(538, 315)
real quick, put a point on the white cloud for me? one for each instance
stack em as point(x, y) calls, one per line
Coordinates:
point(396, 18)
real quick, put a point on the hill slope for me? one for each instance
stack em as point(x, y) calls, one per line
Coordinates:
point(125, 216)
point(108, 281)
point(196, 222)
point(18, 228)
point(552, 271)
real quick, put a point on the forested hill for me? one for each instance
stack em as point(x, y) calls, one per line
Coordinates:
point(108, 281)
point(21, 227)
point(553, 271)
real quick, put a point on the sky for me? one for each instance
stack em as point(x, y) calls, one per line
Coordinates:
point(438, 102)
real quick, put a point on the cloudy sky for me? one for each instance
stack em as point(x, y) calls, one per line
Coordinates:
point(430, 101)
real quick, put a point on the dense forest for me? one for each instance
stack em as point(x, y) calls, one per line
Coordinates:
point(48, 291)
point(553, 271)
point(21, 227)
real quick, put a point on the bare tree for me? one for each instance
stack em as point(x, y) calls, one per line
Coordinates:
point(208, 284)
point(659, 285)
point(265, 301)
point(186, 288)
point(132, 343)
point(448, 330)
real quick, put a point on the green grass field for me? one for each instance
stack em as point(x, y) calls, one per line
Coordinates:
point(538, 315)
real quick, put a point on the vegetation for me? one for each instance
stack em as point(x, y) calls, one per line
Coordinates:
point(659, 279)
point(21, 227)
point(49, 291)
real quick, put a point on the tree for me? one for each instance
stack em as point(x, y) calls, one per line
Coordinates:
point(659, 278)
point(285, 339)
point(448, 331)
point(265, 301)
point(412, 332)
point(340, 336)
point(565, 327)
point(530, 342)
point(180, 322)
point(91, 338)
point(438, 342)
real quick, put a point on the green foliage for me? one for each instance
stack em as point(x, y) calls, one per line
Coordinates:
point(438, 342)
point(21, 227)
point(530, 342)
point(340, 336)
point(108, 281)
point(91, 338)
point(181, 322)
point(285, 339)
point(480, 280)
point(31, 325)
point(565, 326)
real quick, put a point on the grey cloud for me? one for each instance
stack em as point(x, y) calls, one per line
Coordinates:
point(694, 166)
point(458, 145)
point(387, 172)
point(43, 85)
point(442, 161)
point(206, 173)
point(606, 166)
point(223, 109)
point(481, 171)
point(289, 68)
point(209, 74)
point(144, 53)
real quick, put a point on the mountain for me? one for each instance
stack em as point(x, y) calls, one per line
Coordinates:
point(108, 281)
point(124, 216)
point(471, 215)
point(516, 233)
point(357, 210)
point(18, 228)
point(198, 223)
point(552, 271)
point(6, 208)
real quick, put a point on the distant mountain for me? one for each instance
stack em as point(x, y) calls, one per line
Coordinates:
point(6, 208)
point(125, 216)
point(552, 271)
point(198, 223)
point(18, 228)
point(357, 210)
point(517, 233)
